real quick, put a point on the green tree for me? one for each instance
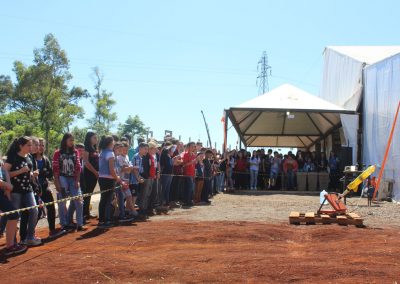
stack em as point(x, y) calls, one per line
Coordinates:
point(15, 124)
point(42, 90)
point(104, 118)
point(79, 134)
point(6, 87)
point(133, 126)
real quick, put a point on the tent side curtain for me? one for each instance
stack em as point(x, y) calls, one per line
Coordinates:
point(342, 85)
point(341, 80)
point(382, 94)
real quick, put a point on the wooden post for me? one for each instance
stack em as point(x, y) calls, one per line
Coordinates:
point(226, 115)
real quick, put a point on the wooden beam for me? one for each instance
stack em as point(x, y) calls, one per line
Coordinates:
point(252, 122)
point(284, 135)
point(252, 140)
point(283, 125)
point(329, 132)
point(234, 123)
point(246, 117)
point(327, 119)
point(315, 125)
point(301, 141)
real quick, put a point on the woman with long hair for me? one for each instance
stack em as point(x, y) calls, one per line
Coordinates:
point(67, 170)
point(45, 173)
point(10, 221)
point(19, 166)
point(90, 157)
point(254, 168)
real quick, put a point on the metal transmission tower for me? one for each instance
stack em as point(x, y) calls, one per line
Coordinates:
point(264, 70)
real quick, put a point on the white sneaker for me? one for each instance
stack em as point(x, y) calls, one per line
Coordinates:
point(34, 242)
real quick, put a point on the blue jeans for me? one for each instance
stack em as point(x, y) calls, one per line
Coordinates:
point(217, 183)
point(166, 187)
point(21, 200)
point(121, 202)
point(189, 190)
point(222, 181)
point(290, 179)
point(68, 189)
point(253, 179)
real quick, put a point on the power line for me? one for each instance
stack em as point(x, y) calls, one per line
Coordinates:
point(264, 70)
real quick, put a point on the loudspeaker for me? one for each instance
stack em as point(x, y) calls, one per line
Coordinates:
point(345, 156)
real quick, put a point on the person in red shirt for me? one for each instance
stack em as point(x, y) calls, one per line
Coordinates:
point(241, 171)
point(290, 167)
point(189, 165)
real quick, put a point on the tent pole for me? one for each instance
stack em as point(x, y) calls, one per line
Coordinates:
point(225, 131)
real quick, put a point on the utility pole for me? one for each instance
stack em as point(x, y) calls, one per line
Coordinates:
point(264, 70)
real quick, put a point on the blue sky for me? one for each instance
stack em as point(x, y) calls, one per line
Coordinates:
point(168, 60)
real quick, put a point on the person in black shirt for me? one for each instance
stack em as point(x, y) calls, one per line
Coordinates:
point(222, 167)
point(20, 169)
point(208, 174)
point(10, 221)
point(45, 173)
point(90, 170)
point(167, 168)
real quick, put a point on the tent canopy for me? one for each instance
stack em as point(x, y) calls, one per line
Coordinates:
point(285, 117)
point(343, 81)
point(367, 54)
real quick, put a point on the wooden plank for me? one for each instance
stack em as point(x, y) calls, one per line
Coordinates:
point(310, 215)
point(342, 220)
point(310, 218)
point(354, 215)
point(294, 218)
point(326, 219)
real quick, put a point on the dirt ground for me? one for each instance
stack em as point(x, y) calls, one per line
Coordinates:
point(239, 239)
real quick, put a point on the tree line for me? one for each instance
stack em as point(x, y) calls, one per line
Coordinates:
point(42, 103)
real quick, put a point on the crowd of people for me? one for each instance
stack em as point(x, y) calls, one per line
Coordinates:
point(270, 169)
point(135, 182)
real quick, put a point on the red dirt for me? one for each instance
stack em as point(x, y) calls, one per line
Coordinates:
point(228, 252)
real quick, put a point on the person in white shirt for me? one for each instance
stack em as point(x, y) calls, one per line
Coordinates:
point(254, 167)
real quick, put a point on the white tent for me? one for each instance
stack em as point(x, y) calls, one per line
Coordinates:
point(285, 117)
point(371, 73)
point(381, 96)
point(342, 81)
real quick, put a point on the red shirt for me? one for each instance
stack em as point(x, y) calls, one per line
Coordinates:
point(152, 173)
point(189, 169)
point(241, 165)
point(178, 170)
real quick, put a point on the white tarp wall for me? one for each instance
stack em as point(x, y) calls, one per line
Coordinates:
point(342, 85)
point(382, 94)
